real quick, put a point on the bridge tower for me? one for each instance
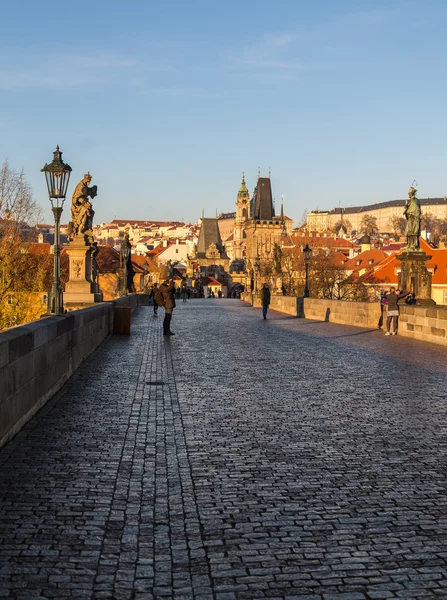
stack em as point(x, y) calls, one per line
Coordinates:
point(242, 214)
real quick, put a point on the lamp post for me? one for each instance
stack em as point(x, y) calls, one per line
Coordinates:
point(257, 268)
point(57, 175)
point(306, 255)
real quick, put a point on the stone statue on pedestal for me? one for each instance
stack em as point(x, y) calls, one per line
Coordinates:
point(277, 256)
point(413, 214)
point(126, 266)
point(82, 288)
point(414, 276)
point(82, 210)
point(126, 247)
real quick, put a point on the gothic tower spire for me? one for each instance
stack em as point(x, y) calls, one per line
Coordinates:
point(242, 210)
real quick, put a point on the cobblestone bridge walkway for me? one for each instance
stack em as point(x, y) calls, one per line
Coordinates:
point(239, 459)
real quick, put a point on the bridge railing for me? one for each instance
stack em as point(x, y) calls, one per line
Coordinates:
point(428, 324)
point(37, 358)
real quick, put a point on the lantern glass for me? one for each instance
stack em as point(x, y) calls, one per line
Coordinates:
point(57, 175)
point(306, 253)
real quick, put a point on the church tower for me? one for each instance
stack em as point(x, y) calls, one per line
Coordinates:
point(242, 214)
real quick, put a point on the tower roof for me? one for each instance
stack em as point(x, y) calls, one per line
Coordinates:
point(209, 234)
point(263, 209)
point(243, 191)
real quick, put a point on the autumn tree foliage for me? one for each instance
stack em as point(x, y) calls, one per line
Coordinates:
point(20, 273)
point(328, 279)
point(368, 225)
point(397, 225)
point(435, 227)
point(342, 223)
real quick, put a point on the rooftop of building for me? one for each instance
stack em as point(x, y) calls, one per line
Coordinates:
point(380, 205)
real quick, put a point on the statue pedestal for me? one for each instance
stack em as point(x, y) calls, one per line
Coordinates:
point(279, 285)
point(415, 276)
point(81, 288)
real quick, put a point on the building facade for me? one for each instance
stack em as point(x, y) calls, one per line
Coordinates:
point(319, 221)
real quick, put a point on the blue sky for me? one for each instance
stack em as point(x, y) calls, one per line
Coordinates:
point(166, 103)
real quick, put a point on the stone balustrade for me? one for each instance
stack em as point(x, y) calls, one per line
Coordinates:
point(37, 358)
point(428, 324)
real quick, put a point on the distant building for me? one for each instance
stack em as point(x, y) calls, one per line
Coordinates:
point(319, 221)
point(209, 250)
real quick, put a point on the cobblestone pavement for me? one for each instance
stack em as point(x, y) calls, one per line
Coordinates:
point(239, 459)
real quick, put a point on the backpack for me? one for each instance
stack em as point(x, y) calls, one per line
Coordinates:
point(158, 298)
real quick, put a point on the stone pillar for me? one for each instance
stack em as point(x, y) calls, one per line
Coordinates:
point(81, 288)
point(415, 277)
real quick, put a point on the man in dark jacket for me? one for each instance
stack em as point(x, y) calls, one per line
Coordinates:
point(265, 299)
point(167, 290)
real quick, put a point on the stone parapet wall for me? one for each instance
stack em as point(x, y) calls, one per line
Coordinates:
point(37, 358)
point(360, 314)
point(428, 324)
point(285, 304)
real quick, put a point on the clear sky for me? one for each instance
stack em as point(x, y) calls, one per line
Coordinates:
point(166, 103)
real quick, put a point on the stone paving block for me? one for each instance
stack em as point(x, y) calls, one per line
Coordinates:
point(277, 459)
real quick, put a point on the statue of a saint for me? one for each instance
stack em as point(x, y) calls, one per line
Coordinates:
point(82, 210)
point(277, 255)
point(412, 213)
point(126, 247)
point(126, 265)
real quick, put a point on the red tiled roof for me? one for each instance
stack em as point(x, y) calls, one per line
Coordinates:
point(386, 271)
point(342, 243)
point(147, 223)
point(139, 259)
point(210, 281)
point(395, 247)
point(36, 248)
point(108, 259)
point(159, 249)
point(316, 242)
point(363, 260)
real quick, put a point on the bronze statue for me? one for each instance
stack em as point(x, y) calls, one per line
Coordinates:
point(82, 210)
point(412, 213)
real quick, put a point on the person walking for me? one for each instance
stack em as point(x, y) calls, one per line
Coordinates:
point(157, 298)
point(392, 318)
point(167, 290)
point(184, 292)
point(265, 299)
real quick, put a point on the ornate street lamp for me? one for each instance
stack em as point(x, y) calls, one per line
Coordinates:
point(306, 255)
point(257, 269)
point(57, 175)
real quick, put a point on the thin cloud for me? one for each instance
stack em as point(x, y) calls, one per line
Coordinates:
point(282, 53)
point(273, 53)
point(37, 70)
point(5, 122)
point(178, 91)
point(12, 80)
